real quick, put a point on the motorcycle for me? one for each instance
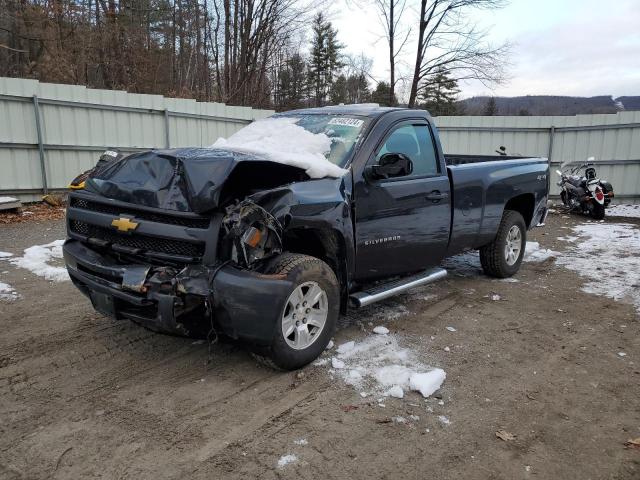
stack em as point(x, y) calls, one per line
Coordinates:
point(585, 193)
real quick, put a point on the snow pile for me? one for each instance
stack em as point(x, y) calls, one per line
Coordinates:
point(533, 253)
point(608, 256)
point(379, 365)
point(281, 140)
point(380, 330)
point(628, 211)
point(286, 460)
point(39, 258)
point(427, 383)
point(7, 293)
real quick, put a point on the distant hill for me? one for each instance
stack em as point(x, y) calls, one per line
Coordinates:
point(629, 103)
point(549, 105)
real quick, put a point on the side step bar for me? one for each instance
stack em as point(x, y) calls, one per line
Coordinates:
point(386, 290)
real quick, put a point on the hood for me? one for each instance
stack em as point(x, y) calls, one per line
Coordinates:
point(189, 179)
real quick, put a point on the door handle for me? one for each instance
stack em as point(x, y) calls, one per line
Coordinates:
point(436, 196)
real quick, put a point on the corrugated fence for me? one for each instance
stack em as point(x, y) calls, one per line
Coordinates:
point(50, 133)
point(613, 140)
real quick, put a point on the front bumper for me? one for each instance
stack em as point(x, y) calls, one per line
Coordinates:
point(243, 304)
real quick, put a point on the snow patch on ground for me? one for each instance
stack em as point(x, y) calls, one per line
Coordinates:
point(281, 140)
point(7, 293)
point(380, 330)
point(533, 253)
point(42, 259)
point(608, 256)
point(628, 211)
point(395, 391)
point(5, 255)
point(286, 460)
point(378, 364)
point(301, 441)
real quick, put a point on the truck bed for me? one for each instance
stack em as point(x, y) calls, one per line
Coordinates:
point(453, 160)
point(482, 186)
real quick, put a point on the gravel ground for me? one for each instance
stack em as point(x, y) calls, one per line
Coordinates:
point(84, 396)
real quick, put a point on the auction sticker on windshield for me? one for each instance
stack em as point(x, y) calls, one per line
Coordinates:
point(346, 122)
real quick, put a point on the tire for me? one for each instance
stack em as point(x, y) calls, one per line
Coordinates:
point(494, 256)
point(309, 275)
point(597, 211)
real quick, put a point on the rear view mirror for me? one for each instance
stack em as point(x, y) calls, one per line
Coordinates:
point(391, 165)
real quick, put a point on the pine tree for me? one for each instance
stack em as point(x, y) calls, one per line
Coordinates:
point(292, 83)
point(358, 89)
point(438, 94)
point(324, 61)
point(491, 108)
point(381, 95)
point(339, 93)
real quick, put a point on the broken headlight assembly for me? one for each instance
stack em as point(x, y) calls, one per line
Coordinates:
point(251, 234)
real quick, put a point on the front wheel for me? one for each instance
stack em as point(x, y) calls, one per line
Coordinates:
point(502, 257)
point(309, 317)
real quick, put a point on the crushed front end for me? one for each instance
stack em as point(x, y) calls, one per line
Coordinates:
point(177, 272)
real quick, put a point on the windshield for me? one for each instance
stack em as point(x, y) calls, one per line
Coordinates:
point(343, 131)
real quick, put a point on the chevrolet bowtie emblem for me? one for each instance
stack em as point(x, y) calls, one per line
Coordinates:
point(124, 224)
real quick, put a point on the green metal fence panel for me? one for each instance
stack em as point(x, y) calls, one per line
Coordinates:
point(613, 140)
point(78, 123)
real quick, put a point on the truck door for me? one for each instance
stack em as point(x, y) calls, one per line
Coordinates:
point(402, 223)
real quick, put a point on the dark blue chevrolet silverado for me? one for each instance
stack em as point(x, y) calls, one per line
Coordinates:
point(202, 241)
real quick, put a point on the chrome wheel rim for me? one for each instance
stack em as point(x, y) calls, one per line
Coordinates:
point(513, 246)
point(305, 315)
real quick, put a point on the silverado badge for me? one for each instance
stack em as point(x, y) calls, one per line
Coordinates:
point(124, 224)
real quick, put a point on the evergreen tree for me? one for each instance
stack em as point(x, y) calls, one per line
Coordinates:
point(491, 108)
point(358, 89)
point(381, 95)
point(339, 93)
point(324, 61)
point(292, 83)
point(438, 94)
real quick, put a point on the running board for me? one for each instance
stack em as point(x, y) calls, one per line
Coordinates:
point(386, 290)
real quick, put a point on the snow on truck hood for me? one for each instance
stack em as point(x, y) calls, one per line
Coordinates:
point(281, 140)
point(263, 155)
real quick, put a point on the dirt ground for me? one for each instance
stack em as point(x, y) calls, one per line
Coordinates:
point(84, 396)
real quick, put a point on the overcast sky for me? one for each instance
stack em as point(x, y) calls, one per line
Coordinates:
point(561, 47)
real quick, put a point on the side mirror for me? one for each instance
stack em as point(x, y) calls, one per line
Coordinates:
point(559, 172)
point(391, 165)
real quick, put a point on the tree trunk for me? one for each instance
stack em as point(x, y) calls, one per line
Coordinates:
point(392, 63)
point(416, 71)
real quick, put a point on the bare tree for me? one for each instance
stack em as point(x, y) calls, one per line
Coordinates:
point(450, 43)
point(390, 12)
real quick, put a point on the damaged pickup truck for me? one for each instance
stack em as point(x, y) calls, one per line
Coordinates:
point(268, 236)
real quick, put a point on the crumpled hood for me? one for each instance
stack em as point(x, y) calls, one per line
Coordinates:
point(187, 179)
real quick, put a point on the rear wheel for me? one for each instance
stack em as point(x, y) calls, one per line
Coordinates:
point(502, 257)
point(597, 211)
point(309, 316)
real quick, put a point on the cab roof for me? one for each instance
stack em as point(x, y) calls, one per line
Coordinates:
point(371, 110)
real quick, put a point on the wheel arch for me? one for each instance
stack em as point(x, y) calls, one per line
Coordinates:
point(327, 245)
point(524, 204)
